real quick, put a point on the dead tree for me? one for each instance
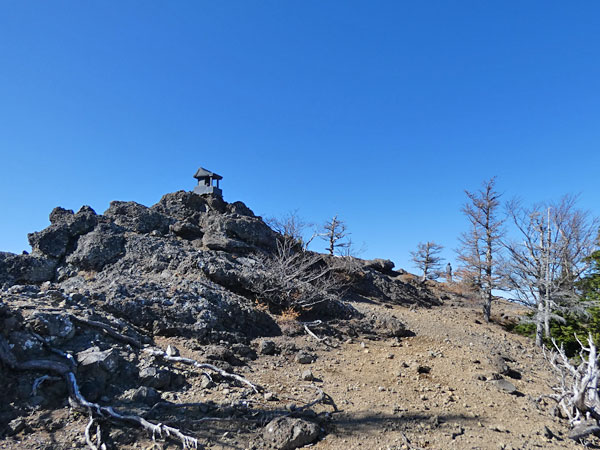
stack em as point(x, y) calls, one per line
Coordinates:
point(544, 267)
point(427, 260)
point(335, 233)
point(469, 255)
point(480, 246)
point(577, 391)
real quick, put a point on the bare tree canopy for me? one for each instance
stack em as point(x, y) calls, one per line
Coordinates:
point(480, 245)
point(292, 227)
point(427, 260)
point(544, 266)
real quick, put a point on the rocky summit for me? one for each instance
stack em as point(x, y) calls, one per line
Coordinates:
point(117, 324)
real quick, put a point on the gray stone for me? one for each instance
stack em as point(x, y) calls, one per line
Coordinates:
point(584, 429)
point(51, 242)
point(307, 375)
point(499, 365)
point(155, 378)
point(58, 328)
point(505, 385)
point(103, 245)
point(267, 347)
point(303, 357)
point(286, 433)
point(136, 217)
point(26, 268)
point(186, 230)
point(15, 426)
point(144, 394)
point(24, 345)
point(92, 358)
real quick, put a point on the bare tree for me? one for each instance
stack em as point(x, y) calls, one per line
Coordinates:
point(469, 256)
point(427, 260)
point(478, 252)
point(543, 268)
point(335, 233)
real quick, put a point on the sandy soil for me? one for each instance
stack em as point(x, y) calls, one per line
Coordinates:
point(426, 391)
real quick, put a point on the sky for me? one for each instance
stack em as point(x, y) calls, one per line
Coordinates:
point(380, 112)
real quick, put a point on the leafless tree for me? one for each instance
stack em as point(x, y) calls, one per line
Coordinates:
point(479, 246)
point(469, 255)
point(543, 268)
point(336, 234)
point(427, 260)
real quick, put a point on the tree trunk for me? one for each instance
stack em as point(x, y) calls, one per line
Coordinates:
point(487, 304)
point(539, 324)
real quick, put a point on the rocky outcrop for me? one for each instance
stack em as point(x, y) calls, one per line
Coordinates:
point(25, 269)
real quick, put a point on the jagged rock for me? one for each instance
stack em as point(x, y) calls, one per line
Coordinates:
point(15, 426)
point(25, 268)
point(378, 285)
point(237, 274)
point(65, 227)
point(143, 394)
point(380, 265)
point(186, 230)
point(93, 358)
point(136, 217)
point(240, 208)
point(51, 242)
point(236, 234)
point(390, 326)
point(57, 327)
point(286, 433)
point(60, 215)
point(221, 353)
point(24, 345)
point(155, 378)
point(101, 246)
point(267, 347)
point(182, 205)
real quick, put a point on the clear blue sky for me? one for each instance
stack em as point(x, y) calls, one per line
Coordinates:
point(382, 112)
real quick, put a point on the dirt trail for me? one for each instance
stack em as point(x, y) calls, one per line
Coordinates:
point(387, 398)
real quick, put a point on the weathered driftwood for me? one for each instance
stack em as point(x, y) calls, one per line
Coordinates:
point(577, 390)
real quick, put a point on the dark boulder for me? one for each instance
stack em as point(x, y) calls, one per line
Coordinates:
point(136, 217)
point(155, 378)
point(103, 245)
point(381, 265)
point(25, 268)
point(186, 230)
point(237, 234)
point(56, 328)
point(51, 242)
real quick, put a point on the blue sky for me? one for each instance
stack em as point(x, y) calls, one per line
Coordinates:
point(382, 112)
